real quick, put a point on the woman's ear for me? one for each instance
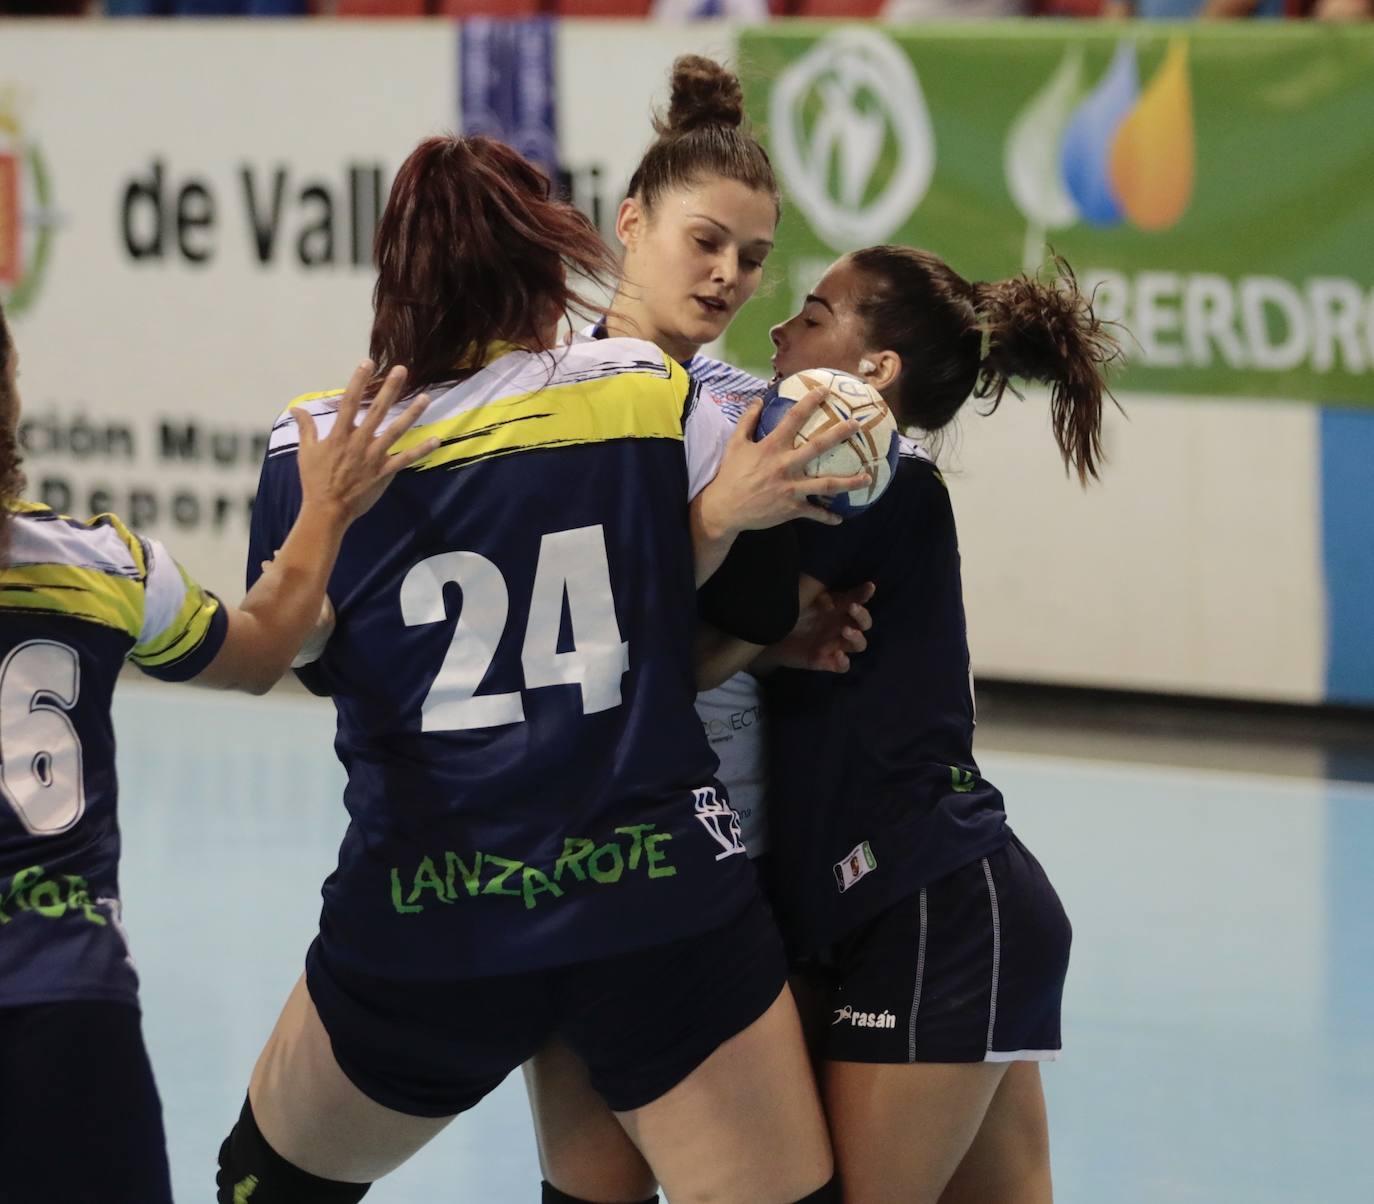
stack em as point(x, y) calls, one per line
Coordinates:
point(630, 222)
point(880, 368)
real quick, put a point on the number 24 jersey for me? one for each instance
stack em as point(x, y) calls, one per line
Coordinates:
point(528, 783)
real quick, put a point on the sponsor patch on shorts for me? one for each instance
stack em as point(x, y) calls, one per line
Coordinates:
point(860, 861)
point(857, 1019)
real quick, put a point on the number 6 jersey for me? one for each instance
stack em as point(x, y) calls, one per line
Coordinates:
point(77, 599)
point(528, 783)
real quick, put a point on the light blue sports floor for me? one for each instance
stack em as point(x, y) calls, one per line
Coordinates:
point(1219, 1023)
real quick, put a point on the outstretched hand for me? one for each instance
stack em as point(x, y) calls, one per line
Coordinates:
point(764, 483)
point(348, 469)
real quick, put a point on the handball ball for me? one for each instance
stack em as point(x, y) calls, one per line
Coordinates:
point(872, 448)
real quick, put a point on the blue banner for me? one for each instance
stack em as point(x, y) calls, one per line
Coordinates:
point(508, 85)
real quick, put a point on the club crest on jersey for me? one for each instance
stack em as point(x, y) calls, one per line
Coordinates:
point(720, 820)
point(858, 862)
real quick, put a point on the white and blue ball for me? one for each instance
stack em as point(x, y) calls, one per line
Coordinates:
point(872, 448)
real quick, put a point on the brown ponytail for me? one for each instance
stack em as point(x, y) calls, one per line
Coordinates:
point(958, 339)
point(1046, 331)
point(472, 251)
point(702, 136)
point(11, 479)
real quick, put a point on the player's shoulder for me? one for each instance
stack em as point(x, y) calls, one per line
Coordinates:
point(919, 481)
point(587, 359)
point(915, 461)
point(622, 370)
point(728, 384)
point(513, 374)
point(40, 535)
point(732, 389)
point(323, 408)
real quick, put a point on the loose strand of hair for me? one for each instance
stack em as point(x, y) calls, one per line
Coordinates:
point(1046, 330)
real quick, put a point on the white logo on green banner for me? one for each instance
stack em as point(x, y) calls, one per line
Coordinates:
point(852, 136)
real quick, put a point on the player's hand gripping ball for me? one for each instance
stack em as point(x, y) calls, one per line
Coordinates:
point(872, 448)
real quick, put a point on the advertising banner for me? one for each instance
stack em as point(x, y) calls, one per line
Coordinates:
point(186, 223)
point(182, 251)
point(187, 212)
point(1210, 181)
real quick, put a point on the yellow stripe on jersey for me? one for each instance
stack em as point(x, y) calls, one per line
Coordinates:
point(185, 633)
point(131, 541)
point(466, 362)
point(627, 405)
point(306, 399)
point(77, 593)
point(113, 521)
point(105, 519)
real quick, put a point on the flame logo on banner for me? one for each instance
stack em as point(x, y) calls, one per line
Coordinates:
point(1117, 154)
point(1152, 156)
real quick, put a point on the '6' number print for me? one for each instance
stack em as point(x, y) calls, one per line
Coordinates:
point(40, 752)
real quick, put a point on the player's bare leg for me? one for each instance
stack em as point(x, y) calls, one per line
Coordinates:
point(746, 1126)
point(1009, 1160)
point(901, 1131)
point(583, 1150)
point(313, 1116)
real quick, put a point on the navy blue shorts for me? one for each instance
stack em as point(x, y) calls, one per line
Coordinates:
point(82, 1120)
point(642, 1021)
point(969, 969)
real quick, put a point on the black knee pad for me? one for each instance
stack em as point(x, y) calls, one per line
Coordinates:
point(553, 1196)
point(829, 1194)
point(252, 1172)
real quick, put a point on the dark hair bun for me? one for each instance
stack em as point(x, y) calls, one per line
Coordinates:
point(704, 93)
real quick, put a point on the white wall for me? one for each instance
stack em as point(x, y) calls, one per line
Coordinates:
point(1194, 565)
point(228, 341)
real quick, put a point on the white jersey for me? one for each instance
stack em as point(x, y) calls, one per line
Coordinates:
point(731, 713)
point(733, 718)
point(733, 389)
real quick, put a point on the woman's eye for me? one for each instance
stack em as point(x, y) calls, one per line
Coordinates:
point(754, 265)
point(705, 244)
point(810, 322)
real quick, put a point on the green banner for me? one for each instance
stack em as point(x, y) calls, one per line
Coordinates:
point(1213, 182)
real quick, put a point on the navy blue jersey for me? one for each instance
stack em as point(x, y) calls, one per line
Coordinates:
point(77, 599)
point(732, 714)
point(528, 783)
point(874, 789)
